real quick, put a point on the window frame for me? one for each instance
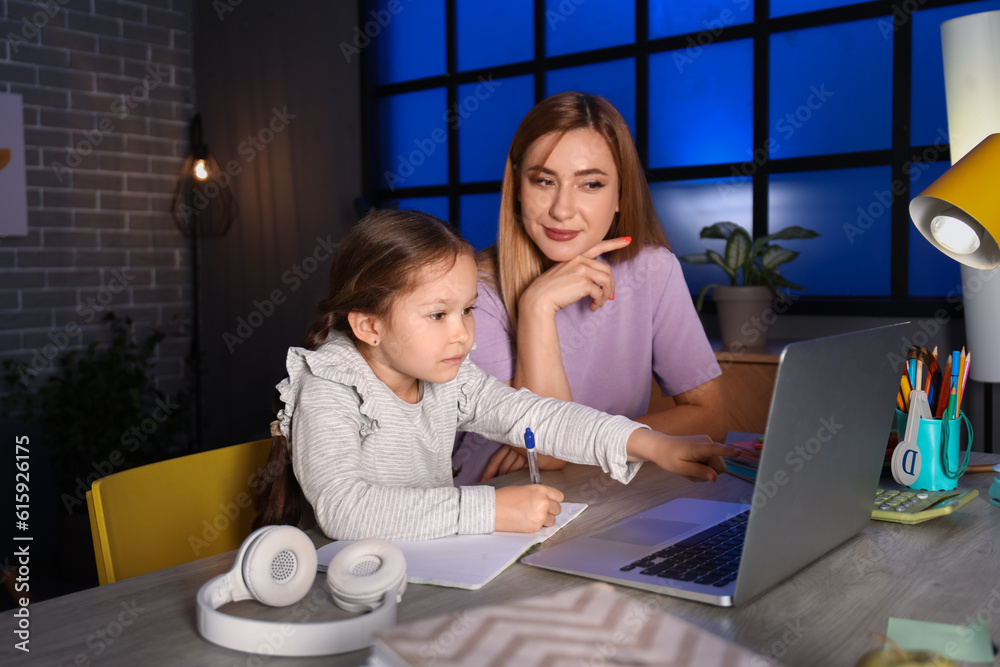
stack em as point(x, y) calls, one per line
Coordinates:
point(901, 154)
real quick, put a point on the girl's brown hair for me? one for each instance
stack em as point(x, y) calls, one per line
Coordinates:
point(377, 261)
point(515, 261)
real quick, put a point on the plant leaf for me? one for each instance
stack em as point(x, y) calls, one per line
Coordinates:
point(775, 255)
point(720, 230)
point(738, 249)
point(717, 258)
point(701, 296)
point(793, 232)
point(778, 281)
point(697, 258)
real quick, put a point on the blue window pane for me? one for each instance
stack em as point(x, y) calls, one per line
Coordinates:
point(479, 219)
point(927, 101)
point(708, 17)
point(414, 147)
point(932, 273)
point(701, 108)
point(684, 207)
point(831, 90)
point(614, 80)
point(922, 174)
point(574, 25)
point(436, 206)
point(409, 39)
point(488, 113)
point(493, 33)
point(850, 210)
point(786, 7)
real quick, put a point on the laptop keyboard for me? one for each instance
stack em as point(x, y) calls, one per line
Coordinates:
point(711, 557)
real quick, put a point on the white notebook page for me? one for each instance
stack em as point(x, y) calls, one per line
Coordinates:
point(463, 561)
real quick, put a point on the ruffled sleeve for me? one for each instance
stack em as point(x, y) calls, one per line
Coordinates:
point(336, 360)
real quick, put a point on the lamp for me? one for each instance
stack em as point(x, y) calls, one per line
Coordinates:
point(955, 212)
point(203, 206)
point(959, 213)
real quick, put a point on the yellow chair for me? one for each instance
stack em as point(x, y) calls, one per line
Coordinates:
point(172, 512)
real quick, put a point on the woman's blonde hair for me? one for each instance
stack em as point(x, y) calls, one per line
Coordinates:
point(515, 261)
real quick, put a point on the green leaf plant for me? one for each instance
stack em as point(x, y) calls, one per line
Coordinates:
point(102, 411)
point(749, 262)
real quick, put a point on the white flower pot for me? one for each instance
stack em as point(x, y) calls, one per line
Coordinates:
point(745, 313)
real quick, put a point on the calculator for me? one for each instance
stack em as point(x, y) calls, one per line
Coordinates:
point(908, 506)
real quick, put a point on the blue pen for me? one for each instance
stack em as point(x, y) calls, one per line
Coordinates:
point(529, 444)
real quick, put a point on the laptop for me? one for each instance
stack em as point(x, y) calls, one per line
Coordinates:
point(831, 412)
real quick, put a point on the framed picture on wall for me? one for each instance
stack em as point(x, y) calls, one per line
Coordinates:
point(13, 183)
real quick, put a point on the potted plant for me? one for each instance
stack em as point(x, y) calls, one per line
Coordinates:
point(754, 279)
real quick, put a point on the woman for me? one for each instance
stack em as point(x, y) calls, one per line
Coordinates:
point(581, 298)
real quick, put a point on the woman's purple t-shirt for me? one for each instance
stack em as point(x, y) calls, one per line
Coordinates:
point(608, 354)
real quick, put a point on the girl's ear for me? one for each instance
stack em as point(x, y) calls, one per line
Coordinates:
point(367, 328)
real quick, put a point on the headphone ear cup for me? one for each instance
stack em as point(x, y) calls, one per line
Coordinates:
point(279, 565)
point(364, 573)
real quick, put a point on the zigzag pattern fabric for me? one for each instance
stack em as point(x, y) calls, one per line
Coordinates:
point(587, 625)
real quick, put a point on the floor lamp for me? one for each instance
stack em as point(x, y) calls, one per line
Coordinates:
point(960, 213)
point(203, 207)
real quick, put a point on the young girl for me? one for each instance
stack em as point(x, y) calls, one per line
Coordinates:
point(582, 299)
point(373, 402)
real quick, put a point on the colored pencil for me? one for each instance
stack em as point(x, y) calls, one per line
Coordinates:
point(961, 386)
point(942, 403)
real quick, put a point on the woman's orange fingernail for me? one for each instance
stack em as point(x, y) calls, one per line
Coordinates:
point(612, 296)
point(627, 239)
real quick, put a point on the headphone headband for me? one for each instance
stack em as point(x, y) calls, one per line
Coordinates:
point(276, 565)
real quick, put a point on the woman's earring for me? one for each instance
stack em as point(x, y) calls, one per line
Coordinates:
point(375, 341)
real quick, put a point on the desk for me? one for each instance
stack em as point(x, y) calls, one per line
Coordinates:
point(946, 570)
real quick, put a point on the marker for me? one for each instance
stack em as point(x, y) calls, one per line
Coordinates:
point(963, 361)
point(529, 444)
point(956, 363)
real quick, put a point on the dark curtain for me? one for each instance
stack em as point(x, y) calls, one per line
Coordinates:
point(281, 111)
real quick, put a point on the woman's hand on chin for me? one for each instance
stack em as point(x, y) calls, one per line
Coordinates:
point(567, 282)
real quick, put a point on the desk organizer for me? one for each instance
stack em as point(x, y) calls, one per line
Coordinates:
point(926, 463)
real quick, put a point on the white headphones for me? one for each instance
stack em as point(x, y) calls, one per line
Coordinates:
point(277, 565)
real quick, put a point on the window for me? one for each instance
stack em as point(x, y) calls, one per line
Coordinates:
point(828, 114)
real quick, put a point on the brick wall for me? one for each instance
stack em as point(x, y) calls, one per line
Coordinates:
point(107, 89)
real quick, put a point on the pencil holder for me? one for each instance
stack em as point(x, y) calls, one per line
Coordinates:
point(932, 462)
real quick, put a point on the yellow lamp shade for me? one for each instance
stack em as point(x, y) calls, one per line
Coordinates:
point(959, 213)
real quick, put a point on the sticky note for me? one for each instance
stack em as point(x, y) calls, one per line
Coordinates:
point(968, 643)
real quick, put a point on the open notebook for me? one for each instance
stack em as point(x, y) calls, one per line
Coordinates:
point(464, 561)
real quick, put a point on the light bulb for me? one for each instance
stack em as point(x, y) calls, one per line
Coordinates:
point(955, 235)
point(200, 170)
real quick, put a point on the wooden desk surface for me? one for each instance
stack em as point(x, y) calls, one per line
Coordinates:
point(764, 354)
point(946, 570)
